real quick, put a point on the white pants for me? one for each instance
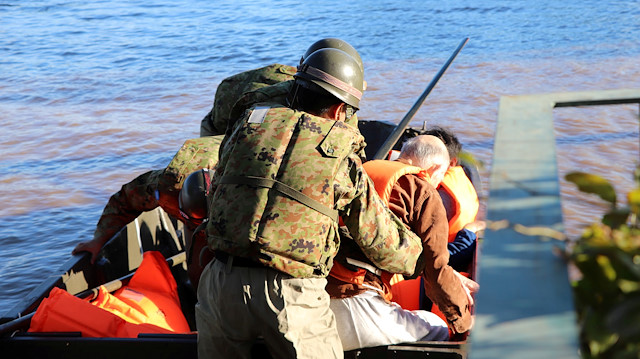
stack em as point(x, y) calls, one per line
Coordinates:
point(367, 320)
point(238, 304)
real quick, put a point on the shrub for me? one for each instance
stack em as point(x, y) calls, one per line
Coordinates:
point(607, 255)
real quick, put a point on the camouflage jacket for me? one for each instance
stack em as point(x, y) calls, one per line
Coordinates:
point(283, 178)
point(239, 92)
point(233, 87)
point(157, 188)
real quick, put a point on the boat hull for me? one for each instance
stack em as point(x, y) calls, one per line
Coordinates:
point(155, 231)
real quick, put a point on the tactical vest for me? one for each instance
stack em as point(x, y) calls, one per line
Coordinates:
point(194, 154)
point(465, 199)
point(274, 201)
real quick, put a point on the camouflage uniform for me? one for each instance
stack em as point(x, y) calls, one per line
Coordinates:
point(232, 88)
point(315, 157)
point(157, 188)
point(283, 178)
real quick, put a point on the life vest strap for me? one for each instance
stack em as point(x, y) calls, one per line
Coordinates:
point(282, 188)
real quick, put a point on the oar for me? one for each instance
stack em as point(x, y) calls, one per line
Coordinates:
point(25, 321)
point(397, 132)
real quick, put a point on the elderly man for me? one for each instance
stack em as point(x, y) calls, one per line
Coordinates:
point(360, 292)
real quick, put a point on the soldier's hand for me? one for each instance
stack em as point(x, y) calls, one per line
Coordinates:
point(92, 246)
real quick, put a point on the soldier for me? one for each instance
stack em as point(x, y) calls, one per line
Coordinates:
point(232, 88)
point(285, 175)
point(152, 189)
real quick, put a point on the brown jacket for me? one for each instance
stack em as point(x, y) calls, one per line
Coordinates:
point(418, 205)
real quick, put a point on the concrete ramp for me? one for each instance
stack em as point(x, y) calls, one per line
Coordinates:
point(525, 306)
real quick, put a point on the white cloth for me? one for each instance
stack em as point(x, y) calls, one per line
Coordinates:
point(367, 320)
point(237, 304)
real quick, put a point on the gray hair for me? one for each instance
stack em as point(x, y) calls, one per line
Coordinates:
point(425, 151)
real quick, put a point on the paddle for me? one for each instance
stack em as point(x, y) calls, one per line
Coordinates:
point(397, 132)
point(25, 321)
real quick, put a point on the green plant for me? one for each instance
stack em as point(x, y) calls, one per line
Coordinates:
point(608, 257)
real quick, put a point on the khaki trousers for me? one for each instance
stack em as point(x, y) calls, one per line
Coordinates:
point(236, 305)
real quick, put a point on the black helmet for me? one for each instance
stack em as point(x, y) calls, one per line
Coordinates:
point(335, 71)
point(333, 43)
point(192, 200)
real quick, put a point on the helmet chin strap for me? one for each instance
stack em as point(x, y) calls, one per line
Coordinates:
point(292, 97)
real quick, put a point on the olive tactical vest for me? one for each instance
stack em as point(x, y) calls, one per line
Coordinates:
point(274, 200)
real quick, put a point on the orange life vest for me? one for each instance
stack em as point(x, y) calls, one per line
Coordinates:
point(384, 174)
point(340, 272)
point(464, 197)
point(148, 304)
point(407, 292)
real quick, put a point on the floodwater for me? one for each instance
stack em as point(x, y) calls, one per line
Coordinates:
point(94, 93)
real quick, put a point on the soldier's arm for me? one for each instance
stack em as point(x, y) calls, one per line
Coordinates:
point(206, 125)
point(215, 122)
point(123, 207)
point(383, 238)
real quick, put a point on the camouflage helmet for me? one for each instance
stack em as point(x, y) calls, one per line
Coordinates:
point(333, 43)
point(192, 200)
point(335, 71)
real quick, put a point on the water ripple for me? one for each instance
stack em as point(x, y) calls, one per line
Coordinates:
point(95, 93)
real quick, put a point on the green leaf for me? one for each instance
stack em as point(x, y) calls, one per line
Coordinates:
point(625, 265)
point(466, 157)
point(616, 217)
point(624, 318)
point(599, 338)
point(606, 267)
point(628, 286)
point(590, 183)
point(634, 200)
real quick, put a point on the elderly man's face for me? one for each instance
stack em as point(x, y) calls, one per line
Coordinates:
point(438, 174)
